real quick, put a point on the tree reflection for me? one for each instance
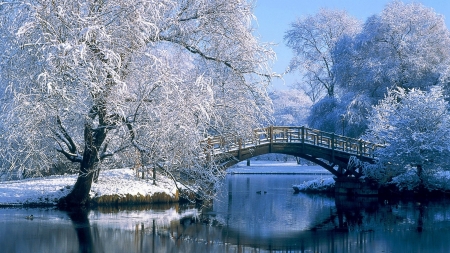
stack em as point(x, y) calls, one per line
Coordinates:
point(80, 222)
point(420, 219)
point(352, 210)
point(351, 222)
point(345, 225)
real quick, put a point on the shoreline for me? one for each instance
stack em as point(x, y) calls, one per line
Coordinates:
point(117, 186)
point(120, 187)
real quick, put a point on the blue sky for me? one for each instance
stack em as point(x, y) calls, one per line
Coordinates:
point(274, 17)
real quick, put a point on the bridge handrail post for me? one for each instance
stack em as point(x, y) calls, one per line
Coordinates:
point(240, 147)
point(316, 137)
point(257, 138)
point(209, 149)
point(303, 136)
point(364, 149)
point(360, 148)
point(331, 143)
point(271, 134)
point(271, 138)
point(332, 147)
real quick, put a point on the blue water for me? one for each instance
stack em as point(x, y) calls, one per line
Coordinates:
point(253, 213)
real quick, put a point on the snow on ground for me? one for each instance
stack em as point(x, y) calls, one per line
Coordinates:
point(35, 190)
point(123, 181)
point(49, 189)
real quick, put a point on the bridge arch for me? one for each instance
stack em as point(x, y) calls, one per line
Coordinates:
point(325, 149)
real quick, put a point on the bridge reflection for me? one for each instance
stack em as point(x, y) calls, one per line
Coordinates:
point(279, 221)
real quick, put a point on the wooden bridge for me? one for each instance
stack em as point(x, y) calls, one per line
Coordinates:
point(329, 150)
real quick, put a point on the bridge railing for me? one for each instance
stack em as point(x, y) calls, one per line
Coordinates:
point(229, 143)
point(324, 139)
point(304, 135)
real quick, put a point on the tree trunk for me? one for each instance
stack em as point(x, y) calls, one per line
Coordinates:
point(79, 196)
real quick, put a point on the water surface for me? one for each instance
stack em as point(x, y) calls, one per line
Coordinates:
point(253, 213)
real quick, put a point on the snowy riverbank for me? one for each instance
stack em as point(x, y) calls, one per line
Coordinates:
point(113, 185)
point(120, 186)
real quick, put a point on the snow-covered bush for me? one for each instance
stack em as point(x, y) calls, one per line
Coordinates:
point(316, 185)
point(433, 179)
point(406, 181)
point(414, 125)
point(438, 181)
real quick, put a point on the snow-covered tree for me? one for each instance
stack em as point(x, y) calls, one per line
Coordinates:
point(103, 82)
point(326, 115)
point(407, 45)
point(341, 115)
point(414, 125)
point(291, 107)
point(312, 39)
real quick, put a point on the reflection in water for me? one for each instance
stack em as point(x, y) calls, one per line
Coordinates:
point(80, 222)
point(271, 220)
point(242, 219)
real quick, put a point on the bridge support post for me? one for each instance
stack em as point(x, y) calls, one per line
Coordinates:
point(248, 162)
point(340, 169)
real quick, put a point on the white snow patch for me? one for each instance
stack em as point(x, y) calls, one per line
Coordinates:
point(48, 190)
point(321, 184)
point(35, 190)
point(123, 182)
